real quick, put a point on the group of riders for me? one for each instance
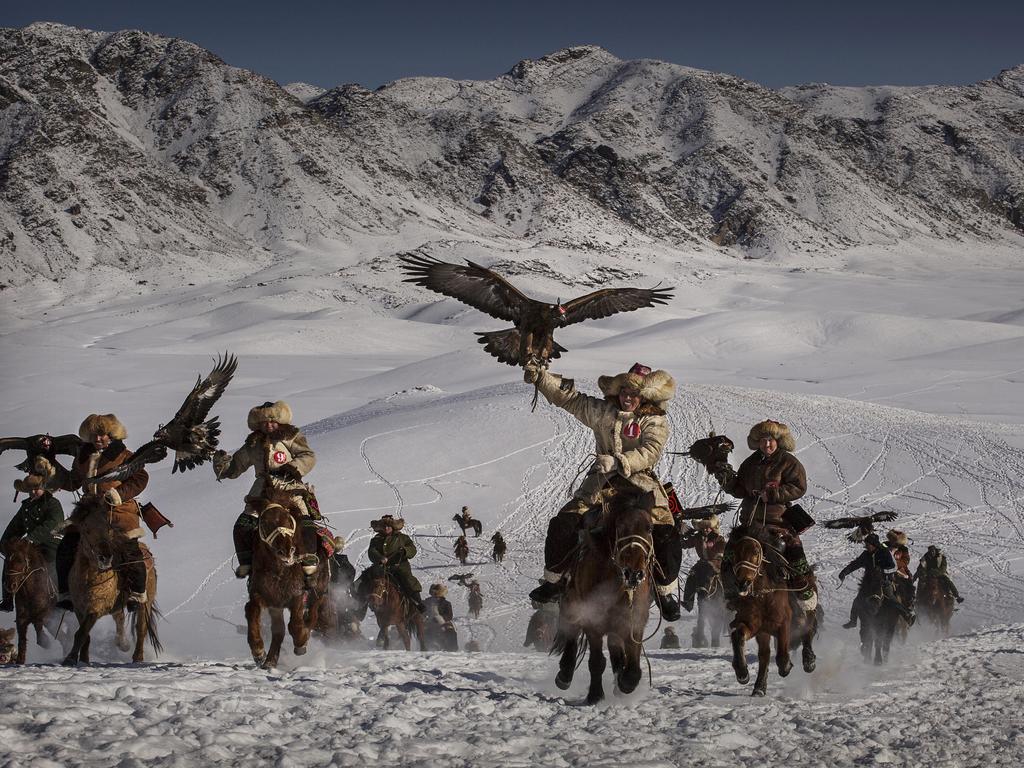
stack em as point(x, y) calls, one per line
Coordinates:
point(631, 430)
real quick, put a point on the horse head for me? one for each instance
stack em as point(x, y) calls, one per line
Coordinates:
point(20, 563)
point(632, 546)
point(98, 536)
point(379, 593)
point(277, 528)
point(748, 559)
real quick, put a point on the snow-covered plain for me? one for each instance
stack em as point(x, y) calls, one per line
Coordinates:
point(901, 374)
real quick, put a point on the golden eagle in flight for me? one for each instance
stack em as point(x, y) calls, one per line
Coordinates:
point(862, 525)
point(532, 338)
point(192, 439)
point(40, 445)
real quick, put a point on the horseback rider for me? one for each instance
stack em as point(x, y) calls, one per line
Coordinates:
point(281, 457)
point(669, 640)
point(631, 430)
point(933, 564)
point(440, 616)
point(767, 482)
point(38, 519)
point(709, 545)
point(877, 558)
point(102, 450)
point(390, 551)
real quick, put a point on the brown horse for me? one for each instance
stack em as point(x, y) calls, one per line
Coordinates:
point(462, 549)
point(28, 580)
point(472, 523)
point(98, 588)
point(498, 553)
point(277, 581)
point(935, 603)
point(394, 610)
point(540, 632)
point(476, 602)
point(764, 609)
point(609, 595)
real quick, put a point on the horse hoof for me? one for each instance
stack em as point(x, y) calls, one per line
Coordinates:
point(785, 670)
point(562, 682)
point(759, 692)
point(259, 659)
point(300, 650)
point(742, 677)
point(594, 699)
point(269, 664)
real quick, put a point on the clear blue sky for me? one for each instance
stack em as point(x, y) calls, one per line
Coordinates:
point(774, 42)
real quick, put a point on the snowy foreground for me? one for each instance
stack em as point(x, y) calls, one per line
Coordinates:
point(903, 391)
point(376, 708)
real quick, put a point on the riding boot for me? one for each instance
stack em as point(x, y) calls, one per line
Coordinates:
point(668, 551)
point(804, 575)
point(8, 600)
point(854, 613)
point(134, 570)
point(690, 589)
point(562, 537)
point(242, 533)
point(65, 559)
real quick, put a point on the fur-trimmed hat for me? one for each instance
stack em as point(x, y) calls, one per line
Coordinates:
point(438, 590)
point(280, 412)
point(896, 538)
point(769, 428)
point(708, 524)
point(339, 543)
point(396, 523)
point(670, 632)
point(102, 424)
point(655, 387)
point(30, 483)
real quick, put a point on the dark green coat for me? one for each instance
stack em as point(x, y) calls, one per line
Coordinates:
point(382, 546)
point(36, 520)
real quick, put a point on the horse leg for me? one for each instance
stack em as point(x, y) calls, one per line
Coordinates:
point(596, 664)
point(739, 636)
point(253, 609)
point(782, 659)
point(276, 636)
point(807, 656)
point(764, 658)
point(141, 626)
point(699, 640)
point(865, 637)
point(617, 653)
point(22, 624)
point(297, 626)
point(567, 663)
point(403, 632)
point(122, 637)
point(80, 647)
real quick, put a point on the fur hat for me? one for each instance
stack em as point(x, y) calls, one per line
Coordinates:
point(655, 387)
point(708, 524)
point(280, 412)
point(339, 543)
point(396, 523)
point(873, 540)
point(769, 428)
point(102, 424)
point(896, 538)
point(438, 590)
point(30, 483)
point(670, 632)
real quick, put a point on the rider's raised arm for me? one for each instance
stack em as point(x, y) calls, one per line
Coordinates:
point(563, 394)
point(862, 561)
point(653, 437)
point(239, 462)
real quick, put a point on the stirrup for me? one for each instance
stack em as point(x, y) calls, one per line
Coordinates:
point(242, 570)
point(547, 592)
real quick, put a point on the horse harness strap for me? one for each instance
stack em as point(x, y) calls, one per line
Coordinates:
point(751, 564)
point(279, 531)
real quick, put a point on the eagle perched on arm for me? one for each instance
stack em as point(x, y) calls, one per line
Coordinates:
point(532, 338)
point(192, 439)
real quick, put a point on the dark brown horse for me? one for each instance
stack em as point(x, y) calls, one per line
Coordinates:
point(540, 632)
point(498, 553)
point(935, 603)
point(472, 523)
point(764, 609)
point(879, 618)
point(462, 549)
point(278, 583)
point(609, 595)
point(394, 610)
point(712, 614)
point(476, 602)
point(98, 588)
point(28, 580)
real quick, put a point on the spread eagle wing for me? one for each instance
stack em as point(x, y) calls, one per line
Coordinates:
point(67, 445)
point(149, 453)
point(609, 301)
point(470, 283)
point(460, 577)
point(706, 511)
point(861, 522)
point(206, 392)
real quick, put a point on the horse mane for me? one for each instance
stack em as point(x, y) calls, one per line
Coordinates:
point(770, 546)
point(85, 506)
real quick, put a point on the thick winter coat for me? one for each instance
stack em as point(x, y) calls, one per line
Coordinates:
point(37, 520)
point(635, 439)
point(89, 462)
point(782, 478)
point(281, 459)
point(386, 547)
point(710, 549)
point(879, 560)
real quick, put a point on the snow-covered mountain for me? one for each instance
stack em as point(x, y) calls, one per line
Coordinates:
point(141, 156)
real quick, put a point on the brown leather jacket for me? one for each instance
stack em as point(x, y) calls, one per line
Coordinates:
point(781, 476)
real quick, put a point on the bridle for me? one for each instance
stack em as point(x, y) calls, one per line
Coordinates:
point(754, 565)
point(280, 531)
point(622, 543)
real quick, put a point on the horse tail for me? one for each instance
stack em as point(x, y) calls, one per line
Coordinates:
point(152, 615)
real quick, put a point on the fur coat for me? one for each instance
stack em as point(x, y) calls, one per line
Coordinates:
point(281, 459)
point(89, 462)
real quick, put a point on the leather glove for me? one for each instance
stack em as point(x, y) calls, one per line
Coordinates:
point(531, 372)
point(112, 497)
point(605, 463)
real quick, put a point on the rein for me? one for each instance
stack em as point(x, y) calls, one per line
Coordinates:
point(280, 531)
